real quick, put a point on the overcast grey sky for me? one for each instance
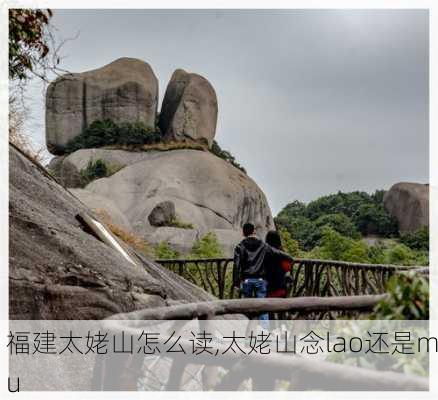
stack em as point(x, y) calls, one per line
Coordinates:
point(310, 101)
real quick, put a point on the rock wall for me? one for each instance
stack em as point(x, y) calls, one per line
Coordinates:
point(59, 271)
point(409, 203)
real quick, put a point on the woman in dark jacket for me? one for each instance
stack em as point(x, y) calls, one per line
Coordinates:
point(277, 270)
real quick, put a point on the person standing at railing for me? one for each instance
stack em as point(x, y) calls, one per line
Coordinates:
point(251, 261)
point(277, 268)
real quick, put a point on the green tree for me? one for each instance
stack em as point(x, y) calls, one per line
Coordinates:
point(301, 229)
point(373, 219)
point(29, 43)
point(225, 155)
point(163, 251)
point(333, 245)
point(408, 298)
point(348, 213)
point(290, 245)
point(345, 203)
point(295, 209)
point(207, 247)
point(340, 223)
point(400, 255)
point(376, 253)
point(377, 196)
point(418, 240)
point(357, 252)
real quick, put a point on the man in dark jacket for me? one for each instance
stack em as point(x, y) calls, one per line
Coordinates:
point(250, 258)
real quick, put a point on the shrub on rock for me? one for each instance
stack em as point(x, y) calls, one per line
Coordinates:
point(108, 133)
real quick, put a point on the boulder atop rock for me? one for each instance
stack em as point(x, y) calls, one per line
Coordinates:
point(162, 214)
point(59, 271)
point(189, 110)
point(409, 203)
point(125, 90)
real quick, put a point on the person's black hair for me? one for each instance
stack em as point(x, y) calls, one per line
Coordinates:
point(273, 239)
point(248, 229)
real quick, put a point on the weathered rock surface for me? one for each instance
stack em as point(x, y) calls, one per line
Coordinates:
point(162, 214)
point(58, 271)
point(67, 168)
point(207, 192)
point(125, 90)
point(409, 203)
point(98, 203)
point(189, 109)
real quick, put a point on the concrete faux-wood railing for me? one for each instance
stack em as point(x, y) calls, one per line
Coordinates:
point(113, 374)
point(253, 307)
point(308, 277)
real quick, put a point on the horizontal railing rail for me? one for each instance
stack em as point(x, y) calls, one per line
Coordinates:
point(110, 373)
point(253, 307)
point(308, 277)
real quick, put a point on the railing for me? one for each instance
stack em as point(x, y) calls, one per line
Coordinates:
point(252, 308)
point(308, 277)
point(124, 372)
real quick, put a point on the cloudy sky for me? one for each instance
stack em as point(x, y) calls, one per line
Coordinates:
point(310, 101)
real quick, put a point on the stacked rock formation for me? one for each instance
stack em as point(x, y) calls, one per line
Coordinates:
point(175, 196)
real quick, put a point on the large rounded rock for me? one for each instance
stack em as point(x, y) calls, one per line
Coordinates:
point(59, 271)
point(208, 193)
point(409, 204)
point(189, 109)
point(163, 214)
point(125, 90)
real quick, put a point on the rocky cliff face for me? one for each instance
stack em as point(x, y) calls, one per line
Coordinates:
point(205, 191)
point(125, 90)
point(202, 192)
point(409, 203)
point(59, 271)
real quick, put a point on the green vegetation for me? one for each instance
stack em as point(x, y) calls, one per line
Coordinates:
point(176, 223)
point(29, 42)
point(225, 155)
point(408, 298)
point(418, 240)
point(107, 133)
point(33, 52)
point(331, 227)
point(163, 251)
point(290, 245)
point(334, 246)
point(350, 214)
point(97, 169)
point(207, 247)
